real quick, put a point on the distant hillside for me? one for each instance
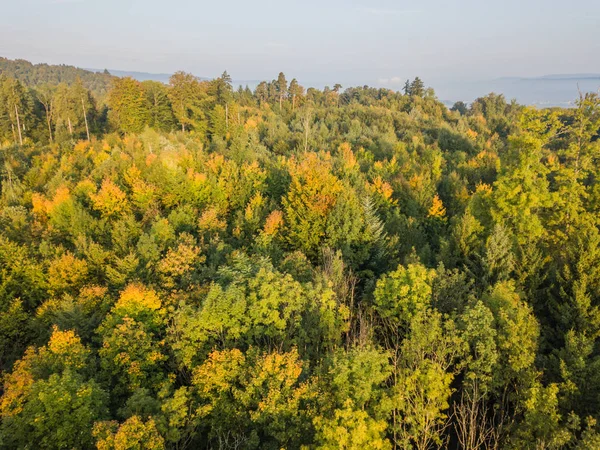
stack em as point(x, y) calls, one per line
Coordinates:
point(140, 76)
point(544, 91)
point(37, 74)
point(164, 77)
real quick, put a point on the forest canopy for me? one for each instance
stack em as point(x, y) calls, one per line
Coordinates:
point(189, 265)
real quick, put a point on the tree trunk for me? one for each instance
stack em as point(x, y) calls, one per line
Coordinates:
point(87, 130)
point(19, 125)
point(306, 123)
point(48, 109)
point(226, 117)
point(70, 126)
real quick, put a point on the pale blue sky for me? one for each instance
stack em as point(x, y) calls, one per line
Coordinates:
point(378, 42)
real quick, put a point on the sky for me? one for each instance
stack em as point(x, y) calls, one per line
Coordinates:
point(353, 42)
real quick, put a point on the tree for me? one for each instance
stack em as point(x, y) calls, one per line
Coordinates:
point(406, 87)
point(58, 413)
point(17, 109)
point(85, 104)
point(254, 400)
point(295, 91)
point(218, 123)
point(521, 191)
point(350, 429)
point(258, 307)
point(128, 105)
point(110, 200)
point(45, 95)
point(475, 427)
point(313, 193)
point(47, 401)
point(403, 294)
point(133, 433)
point(222, 89)
point(186, 95)
point(282, 88)
point(160, 111)
point(417, 87)
point(261, 92)
point(423, 379)
point(74, 111)
point(131, 353)
point(460, 107)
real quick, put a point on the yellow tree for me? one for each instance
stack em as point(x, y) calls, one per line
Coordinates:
point(313, 193)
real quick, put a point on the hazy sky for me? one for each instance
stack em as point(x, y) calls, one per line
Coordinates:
point(377, 42)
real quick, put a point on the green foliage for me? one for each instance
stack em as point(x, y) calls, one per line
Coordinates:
point(294, 269)
point(128, 106)
point(403, 294)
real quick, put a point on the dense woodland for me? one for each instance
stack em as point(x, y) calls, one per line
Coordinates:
point(192, 266)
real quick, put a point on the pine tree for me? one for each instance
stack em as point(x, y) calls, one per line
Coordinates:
point(282, 88)
point(129, 108)
point(186, 96)
point(417, 87)
point(159, 105)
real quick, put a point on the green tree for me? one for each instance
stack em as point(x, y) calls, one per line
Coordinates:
point(16, 114)
point(295, 91)
point(128, 106)
point(160, 111)
point(187, 97)
point(417, 87)
point(282, 88)
point(221, 89)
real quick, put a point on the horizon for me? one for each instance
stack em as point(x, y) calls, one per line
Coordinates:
point(546, 90)
point(379, 44)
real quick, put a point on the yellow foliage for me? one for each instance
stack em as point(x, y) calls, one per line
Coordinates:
point(273, 223)
point(382, 188)
point(81, 147)
point(215, 162)
point(314, 183)
point(49, 306)
point(67, 348)
point(17, 385)
point(143, 194)
point(483, 188)
point(150, 159)
point(135, 297)
point(416, 182)
point(64, 349)
point(179, 261)
point(90, 297)
point(197, 177)
point(347, 155)
point(110, 200)
point(217, 372)
point(43, 207)
point(134, 433)
point(210, 221)
point(437, 208)
point(67, 272)
point(255, 203)
point(132, 175)
point(472, 134)
point(85, 187)
point(251, 123)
